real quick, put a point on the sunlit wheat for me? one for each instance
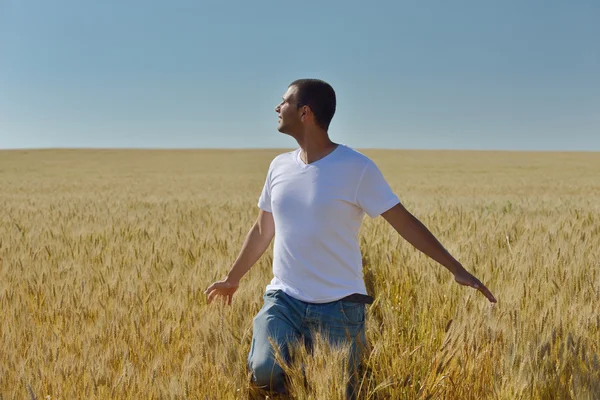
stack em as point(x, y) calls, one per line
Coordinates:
point(104, 256)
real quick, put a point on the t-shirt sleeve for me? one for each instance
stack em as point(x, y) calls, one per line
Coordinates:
point(264, 201)
point(374, 195)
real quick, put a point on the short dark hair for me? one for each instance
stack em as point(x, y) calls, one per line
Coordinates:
point(319, 96)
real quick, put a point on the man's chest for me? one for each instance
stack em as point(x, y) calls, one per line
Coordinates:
point(313, 194)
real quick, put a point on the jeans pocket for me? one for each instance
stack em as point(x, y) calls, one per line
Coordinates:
point(352, 313)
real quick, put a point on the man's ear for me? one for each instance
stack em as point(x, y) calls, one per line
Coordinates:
point(305, 112)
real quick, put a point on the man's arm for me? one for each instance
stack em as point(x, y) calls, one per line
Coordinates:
point(411, 229)
point(257, 241)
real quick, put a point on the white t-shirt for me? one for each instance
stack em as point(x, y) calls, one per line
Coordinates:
point(318, 209)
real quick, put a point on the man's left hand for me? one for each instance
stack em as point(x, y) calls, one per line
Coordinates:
point(465, 278)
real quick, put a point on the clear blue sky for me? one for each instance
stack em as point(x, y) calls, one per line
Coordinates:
point(188, 74)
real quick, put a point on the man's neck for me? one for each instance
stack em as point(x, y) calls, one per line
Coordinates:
point(316, 148)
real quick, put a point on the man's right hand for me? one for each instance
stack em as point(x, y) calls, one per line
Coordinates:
point(223, 288)
point(257, 241)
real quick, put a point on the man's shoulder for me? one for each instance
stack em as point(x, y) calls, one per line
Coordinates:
point(282, 159)
point(355, 156)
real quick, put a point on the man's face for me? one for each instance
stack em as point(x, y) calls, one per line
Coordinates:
point(289, 114)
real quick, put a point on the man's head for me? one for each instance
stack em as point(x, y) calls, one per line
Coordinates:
point(307, 103)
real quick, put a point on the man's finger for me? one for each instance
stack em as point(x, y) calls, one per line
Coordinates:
point(208, 289)
point(477, 284)
point(211, 295)
point(487, 294)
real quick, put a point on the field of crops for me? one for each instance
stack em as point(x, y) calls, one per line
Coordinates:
point(105, 254)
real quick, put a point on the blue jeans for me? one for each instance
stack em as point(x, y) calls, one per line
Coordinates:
point(288, 321)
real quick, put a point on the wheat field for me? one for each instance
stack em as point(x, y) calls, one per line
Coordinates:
point(105, 254)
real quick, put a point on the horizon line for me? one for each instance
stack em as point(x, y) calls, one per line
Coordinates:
point(291, 148)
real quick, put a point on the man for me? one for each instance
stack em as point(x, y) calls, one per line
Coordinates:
point(315, 198)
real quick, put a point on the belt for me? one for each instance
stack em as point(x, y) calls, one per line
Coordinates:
point(358, 298)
